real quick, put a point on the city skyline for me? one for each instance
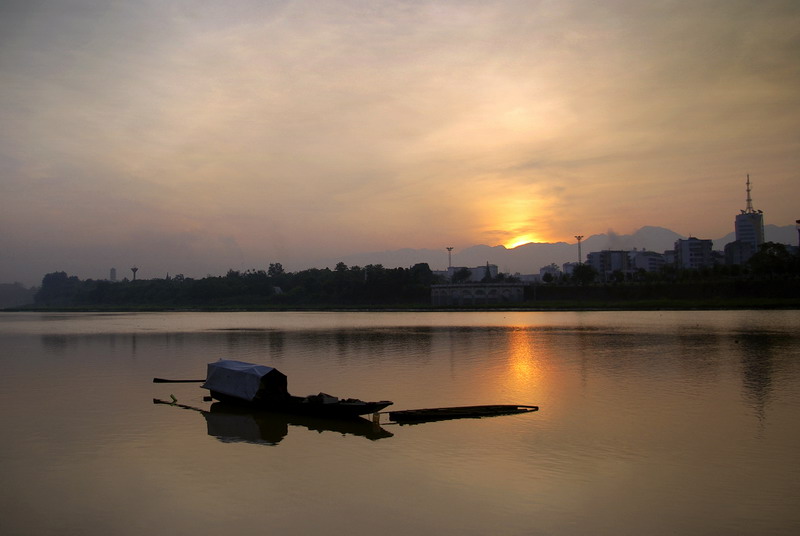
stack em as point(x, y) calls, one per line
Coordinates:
point(520, 259)
point(200, 137)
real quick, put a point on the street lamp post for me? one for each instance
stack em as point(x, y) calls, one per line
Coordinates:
point(580, 257)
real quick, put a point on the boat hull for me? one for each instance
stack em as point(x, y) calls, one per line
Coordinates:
point(296, 405)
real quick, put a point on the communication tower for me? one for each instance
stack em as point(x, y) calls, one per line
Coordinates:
point(750, 223)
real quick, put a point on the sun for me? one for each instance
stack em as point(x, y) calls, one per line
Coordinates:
point(520, 240)
point(514, 219)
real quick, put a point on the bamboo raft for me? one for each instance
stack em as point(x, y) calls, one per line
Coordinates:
point(414, 416)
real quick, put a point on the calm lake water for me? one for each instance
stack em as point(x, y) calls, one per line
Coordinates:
point(650, 423)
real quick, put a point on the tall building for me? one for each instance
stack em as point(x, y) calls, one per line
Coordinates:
point(749, 233)
point(750, 224)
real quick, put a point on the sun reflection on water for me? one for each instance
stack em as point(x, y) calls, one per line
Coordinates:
point(523, 373)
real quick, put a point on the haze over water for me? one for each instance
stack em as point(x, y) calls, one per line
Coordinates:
point(650, 423)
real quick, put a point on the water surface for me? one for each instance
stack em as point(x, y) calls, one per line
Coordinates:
point(650, 423)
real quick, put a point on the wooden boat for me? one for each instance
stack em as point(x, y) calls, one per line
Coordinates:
point(262, 387)
point(321, 405)
point(414, 416)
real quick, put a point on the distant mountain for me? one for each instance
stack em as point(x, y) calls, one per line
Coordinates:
point(15, 295)
point(529, 258)
point(649, 238)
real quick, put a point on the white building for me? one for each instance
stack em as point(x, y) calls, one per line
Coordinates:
point(649, 261)
point(693, 253)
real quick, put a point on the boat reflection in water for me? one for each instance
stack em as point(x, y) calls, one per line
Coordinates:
point(232, 423)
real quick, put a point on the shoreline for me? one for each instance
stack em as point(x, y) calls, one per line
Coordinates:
point(645, 305)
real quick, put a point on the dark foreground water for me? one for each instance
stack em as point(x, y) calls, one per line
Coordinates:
point(650, 423)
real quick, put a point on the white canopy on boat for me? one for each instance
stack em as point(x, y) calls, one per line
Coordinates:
point(243, 380)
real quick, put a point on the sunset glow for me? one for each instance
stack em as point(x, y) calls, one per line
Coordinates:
point(522, 240)
point(194, 140)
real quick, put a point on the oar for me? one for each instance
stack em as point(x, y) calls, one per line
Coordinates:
point(164, 380)
point(174, 403)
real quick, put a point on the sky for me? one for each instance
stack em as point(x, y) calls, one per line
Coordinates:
point(197, 136)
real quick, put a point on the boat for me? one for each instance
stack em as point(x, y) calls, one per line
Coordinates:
point(262, 387)
point(415, 416)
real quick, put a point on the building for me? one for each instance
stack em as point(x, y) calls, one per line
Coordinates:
point(693, 253)
point(477, 294)
point(738, 252)
point(607, 262)
point(749, 232)
point(610, 263)
point(528, 279)
point(477, 274)
point(649, 261)
point(551, 272)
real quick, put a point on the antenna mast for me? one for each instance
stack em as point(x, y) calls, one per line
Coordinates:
point(749, 209)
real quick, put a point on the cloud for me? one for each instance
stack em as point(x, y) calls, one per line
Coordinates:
point(351, 126)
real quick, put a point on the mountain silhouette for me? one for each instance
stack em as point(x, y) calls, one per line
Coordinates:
point(529, 258)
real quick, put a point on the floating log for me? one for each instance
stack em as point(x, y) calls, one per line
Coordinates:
point(413, 416)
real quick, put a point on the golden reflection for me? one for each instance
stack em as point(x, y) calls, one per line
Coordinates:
point(524, 371)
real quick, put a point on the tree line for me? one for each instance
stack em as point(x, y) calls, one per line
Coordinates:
point(772, 272)
point(350, 286)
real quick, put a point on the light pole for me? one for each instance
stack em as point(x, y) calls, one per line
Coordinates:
point(580, 257)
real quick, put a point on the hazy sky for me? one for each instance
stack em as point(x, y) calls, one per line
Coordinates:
point(196, 136)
